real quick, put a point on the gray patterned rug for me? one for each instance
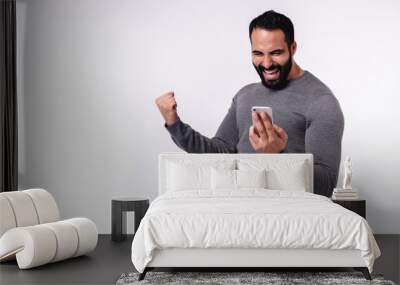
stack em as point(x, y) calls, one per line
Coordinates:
point(243, 278)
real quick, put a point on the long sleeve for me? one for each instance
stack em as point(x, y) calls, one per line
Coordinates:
point(324, 140)
point(191, 141)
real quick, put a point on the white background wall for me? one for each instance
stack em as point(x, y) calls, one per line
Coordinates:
point(89, 71)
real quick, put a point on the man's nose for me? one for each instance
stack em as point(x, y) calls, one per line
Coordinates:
point(267, 62)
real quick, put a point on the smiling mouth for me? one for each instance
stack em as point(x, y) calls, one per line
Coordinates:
point(271, 74)
point(271, 71)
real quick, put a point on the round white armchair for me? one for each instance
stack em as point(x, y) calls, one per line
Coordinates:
point(31, 230)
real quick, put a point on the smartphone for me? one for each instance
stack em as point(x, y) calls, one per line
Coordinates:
point(265, 109)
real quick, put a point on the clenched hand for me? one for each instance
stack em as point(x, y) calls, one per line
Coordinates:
point(167, 105)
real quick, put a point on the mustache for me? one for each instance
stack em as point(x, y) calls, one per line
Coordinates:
point(272, 67)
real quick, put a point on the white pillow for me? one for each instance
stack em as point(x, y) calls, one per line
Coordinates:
point(182, 177)
point(251, 178)
point(288, 177)
point(222, 179)
point(281, 174)
point(188, 174)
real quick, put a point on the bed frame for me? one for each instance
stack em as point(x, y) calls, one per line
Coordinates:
point(242, 259)
point(248, 259)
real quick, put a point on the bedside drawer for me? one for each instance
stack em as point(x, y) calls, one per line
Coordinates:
point(357, 206)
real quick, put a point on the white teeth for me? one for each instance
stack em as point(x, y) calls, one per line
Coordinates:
point(271, 72)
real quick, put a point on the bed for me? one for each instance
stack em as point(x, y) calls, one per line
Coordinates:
point(246, 211)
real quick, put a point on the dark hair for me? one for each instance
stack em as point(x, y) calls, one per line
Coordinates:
point(272, 20)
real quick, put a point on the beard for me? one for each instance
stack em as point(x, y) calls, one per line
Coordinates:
point(282, 81)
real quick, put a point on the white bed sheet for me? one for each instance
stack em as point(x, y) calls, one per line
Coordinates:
point(251, 218)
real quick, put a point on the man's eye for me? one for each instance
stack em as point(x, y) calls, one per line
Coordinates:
point(276, 53)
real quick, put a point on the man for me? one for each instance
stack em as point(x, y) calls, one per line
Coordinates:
point(307, 116)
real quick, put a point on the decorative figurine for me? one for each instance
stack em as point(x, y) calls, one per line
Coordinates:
point(347, 173)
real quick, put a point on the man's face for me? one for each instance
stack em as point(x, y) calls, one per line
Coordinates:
point(271, 57)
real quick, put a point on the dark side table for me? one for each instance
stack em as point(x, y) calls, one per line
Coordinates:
point(357, 206)
point(119, 207)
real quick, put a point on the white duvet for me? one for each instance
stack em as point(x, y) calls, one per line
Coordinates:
point(250, 219)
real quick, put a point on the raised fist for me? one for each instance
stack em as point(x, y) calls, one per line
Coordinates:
point(167, 105)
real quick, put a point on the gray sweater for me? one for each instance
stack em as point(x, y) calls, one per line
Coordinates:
point(306, 109)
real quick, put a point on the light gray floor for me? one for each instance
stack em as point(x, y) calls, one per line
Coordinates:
point(111, 259)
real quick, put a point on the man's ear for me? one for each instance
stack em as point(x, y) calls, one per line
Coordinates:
point(293, 48)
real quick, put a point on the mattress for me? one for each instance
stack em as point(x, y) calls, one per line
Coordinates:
point(250, 219)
